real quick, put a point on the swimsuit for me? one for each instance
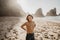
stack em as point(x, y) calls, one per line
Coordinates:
point(30, 36)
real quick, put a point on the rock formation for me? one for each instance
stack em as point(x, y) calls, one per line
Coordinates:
point(59, 14)
point(10, 8)
point(52, 12)
point(39, 13)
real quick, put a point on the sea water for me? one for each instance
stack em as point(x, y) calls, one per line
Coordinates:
point(49, 18)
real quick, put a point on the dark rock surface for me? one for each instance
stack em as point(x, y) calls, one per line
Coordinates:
point(52, 12)
point(39, 13)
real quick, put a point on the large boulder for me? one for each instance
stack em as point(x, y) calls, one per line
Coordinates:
point(10, 8)
point(52, 12)
point(39, 13)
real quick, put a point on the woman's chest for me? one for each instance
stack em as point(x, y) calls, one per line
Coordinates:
point(30, 24)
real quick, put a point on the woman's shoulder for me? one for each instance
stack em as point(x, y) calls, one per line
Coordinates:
point(26, 22)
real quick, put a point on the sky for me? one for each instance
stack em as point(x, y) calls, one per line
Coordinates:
point(31, 6)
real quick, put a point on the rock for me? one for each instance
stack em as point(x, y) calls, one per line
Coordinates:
point(52, 12)
point(39, 13)
point(10, 8)
point(6, 28)
point(59, 14)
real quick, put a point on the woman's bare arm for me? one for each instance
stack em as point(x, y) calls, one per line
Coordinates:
point(22, 26)
point(34, 24)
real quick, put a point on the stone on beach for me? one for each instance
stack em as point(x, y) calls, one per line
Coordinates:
point(10, 29)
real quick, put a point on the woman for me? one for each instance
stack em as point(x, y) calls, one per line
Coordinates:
point(30, 25)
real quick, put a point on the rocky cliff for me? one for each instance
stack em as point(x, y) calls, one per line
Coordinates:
point(10, 8)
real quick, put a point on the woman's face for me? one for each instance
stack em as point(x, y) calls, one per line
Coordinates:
point(29, 18)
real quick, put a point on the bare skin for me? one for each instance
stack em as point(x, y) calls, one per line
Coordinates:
point(30, 25)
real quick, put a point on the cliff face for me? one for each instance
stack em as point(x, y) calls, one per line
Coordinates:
point(52, 12)
point(10, 8)
point(39, 13)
